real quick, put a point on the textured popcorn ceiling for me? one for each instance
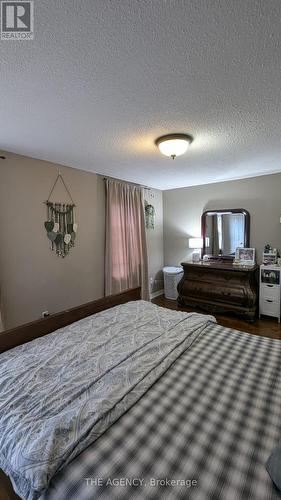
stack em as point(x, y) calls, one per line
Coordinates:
point(103, 79)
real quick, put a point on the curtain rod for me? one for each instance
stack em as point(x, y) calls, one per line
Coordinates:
point(127, 182)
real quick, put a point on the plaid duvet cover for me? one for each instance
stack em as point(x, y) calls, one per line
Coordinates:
point(203, 431)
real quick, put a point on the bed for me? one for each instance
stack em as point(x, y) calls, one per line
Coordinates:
point(198, 423)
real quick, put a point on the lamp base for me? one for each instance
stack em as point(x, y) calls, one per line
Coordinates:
point(196, 257)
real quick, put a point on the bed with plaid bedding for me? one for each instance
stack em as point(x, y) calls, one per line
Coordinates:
point(203, 431)
point(61, 392)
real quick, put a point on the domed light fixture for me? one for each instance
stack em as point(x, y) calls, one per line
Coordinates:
point(173, 145)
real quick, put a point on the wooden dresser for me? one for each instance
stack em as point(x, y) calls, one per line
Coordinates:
point(220, 287)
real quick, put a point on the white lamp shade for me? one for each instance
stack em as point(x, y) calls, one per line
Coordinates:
point(173, 147)
point(195, 243)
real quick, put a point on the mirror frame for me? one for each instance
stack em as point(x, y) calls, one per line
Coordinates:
point(233, 211)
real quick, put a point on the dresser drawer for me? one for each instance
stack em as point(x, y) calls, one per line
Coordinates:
point(270, 292)
point(269, 307)
point(215, 292)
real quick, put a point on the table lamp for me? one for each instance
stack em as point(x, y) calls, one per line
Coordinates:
point(196, 244)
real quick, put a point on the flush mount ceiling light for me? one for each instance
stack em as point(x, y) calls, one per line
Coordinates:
point(173, 145)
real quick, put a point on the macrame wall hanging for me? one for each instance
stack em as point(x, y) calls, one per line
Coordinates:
point(60, 225)
point(149, 216)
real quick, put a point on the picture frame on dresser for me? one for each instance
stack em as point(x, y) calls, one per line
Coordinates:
point(245, 256)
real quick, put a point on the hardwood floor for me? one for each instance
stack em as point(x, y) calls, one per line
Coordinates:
point(265, 327)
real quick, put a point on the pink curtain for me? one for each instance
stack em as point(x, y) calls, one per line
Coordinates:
point(126, 252)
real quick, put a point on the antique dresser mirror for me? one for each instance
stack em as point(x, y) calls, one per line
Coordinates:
point(223, 231)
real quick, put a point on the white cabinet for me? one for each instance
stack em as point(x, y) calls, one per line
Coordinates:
point(270, 299)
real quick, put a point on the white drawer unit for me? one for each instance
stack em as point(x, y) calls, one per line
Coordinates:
point(270, 299)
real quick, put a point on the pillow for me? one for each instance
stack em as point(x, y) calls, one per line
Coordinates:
point(273, 466)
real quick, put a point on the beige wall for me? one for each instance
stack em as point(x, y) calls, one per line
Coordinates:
point(33, 278)
point(183, 209)
point(155, 241)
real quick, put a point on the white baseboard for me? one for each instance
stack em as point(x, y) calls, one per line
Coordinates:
point(156, 294)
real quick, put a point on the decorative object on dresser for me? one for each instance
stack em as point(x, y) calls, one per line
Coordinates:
point(269, 256)
point(225, 230)
point(270, 291)
point(220, 287)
